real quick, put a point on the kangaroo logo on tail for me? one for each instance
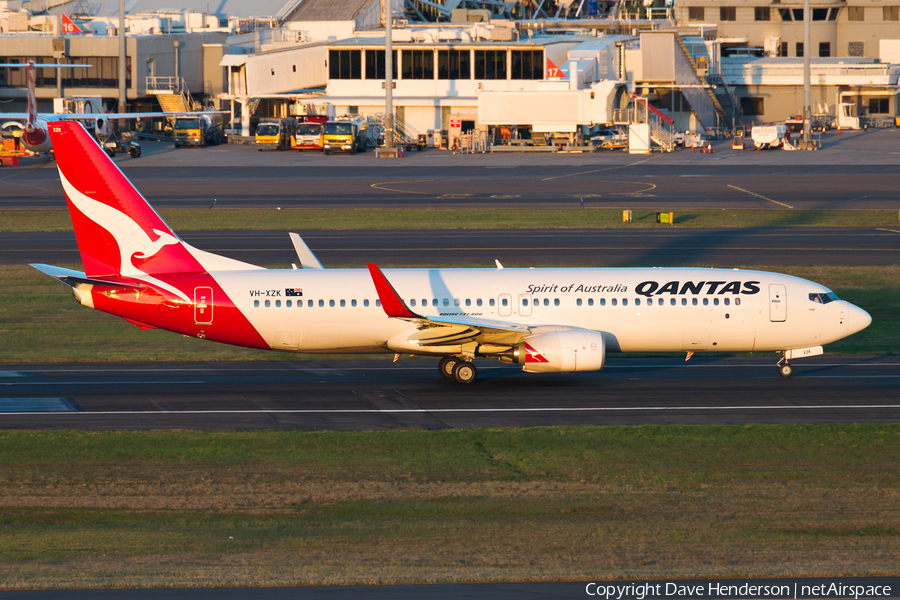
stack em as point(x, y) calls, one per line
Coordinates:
point(131, 238)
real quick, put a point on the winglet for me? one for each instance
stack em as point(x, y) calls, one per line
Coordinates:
point(308, 260)
point(391, 302)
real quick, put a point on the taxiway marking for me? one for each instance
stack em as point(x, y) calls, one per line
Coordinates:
point(758, 196)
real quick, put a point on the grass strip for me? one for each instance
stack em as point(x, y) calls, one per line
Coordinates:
point(503, 218)
point(40, 321)
point(85, 509)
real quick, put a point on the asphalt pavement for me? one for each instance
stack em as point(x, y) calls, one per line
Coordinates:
point(381, 394)
point(854, 171)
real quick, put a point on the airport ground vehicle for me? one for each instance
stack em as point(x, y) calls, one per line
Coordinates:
point(545, 320)
point(201, 130)
point(310, 132)
point(768, 136)
point(121, 143)
point(347, 134)
point(276, 133)
point(609, 138)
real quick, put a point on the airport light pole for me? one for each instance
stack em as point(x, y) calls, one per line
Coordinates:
point(122, 56)
point(389, 79)
point(807, 96)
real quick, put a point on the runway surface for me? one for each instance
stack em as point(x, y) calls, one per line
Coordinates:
point(379, 394)
point(515, 247)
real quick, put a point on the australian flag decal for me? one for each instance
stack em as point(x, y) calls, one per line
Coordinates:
point(293, 292)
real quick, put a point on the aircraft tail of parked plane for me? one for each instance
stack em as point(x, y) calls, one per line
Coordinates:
point(545, 320)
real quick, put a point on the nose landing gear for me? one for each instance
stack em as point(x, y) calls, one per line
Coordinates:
point(784, 367)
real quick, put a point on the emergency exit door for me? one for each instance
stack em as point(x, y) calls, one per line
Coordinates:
point(203, 305)
point(777, 302)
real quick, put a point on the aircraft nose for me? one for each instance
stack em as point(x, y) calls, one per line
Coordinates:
point(858, 319)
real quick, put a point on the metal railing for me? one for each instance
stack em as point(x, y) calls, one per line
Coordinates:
point(403, 132)
point(474, 142)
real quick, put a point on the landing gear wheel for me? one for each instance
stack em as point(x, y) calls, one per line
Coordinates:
point(110, 152)
point(465, 372)
point(446, 366)
point(785, 369)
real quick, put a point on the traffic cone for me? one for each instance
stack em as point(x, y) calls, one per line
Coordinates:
point(709, 145)
point(838, 129)
point(692, 148)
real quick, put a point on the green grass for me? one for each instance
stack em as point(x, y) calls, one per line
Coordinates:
point(40, 321)
point(505, 218)
point(183, 508)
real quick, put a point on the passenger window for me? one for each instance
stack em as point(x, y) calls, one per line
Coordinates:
point(694, 301)
point(504, 302)
point(661, 302)
point(637, 301)
point(578, 302)
point(256, 303)
point(468, 302)
point(524, 301)
point(343, 303)
point(556, 302)
point(366, 303)
point(278, 304)
point(614, 302)
point(331, 303)
point(478, 302)
point(268, 304)
point(727, 301)
point(288, 303)
point(456, 302)
point(672, 301)
point(590, 301)
point(737, 301)
point(434, 302)
point(684, 301)
point(412, 302)
point(491, 301)
point(353, 303)
point(715, 301)
point(378, 302)
point(602, 301)
point(546, 301)
point(446, 301)
point(706, 302)
point(624, 301)
point(321, 303)
point(309, 304)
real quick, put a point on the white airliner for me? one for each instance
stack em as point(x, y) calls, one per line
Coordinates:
point(35, 130)
point(546, 320)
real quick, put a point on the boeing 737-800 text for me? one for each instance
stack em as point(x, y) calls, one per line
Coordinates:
point(546, 320)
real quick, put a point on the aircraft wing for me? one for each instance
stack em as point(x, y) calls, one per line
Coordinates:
point(444, 329)
point(119, 116)
point(108, 116)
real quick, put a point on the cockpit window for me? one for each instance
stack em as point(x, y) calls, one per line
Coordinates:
point(823, 298)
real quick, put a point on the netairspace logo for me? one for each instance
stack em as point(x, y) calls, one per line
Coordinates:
point(703, 590)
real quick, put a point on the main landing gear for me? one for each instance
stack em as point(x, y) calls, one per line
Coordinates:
point(457, 369)
point(784, 367)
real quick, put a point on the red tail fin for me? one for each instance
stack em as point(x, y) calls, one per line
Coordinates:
point(118, 233)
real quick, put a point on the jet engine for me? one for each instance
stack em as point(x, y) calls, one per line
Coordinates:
point(565, 351)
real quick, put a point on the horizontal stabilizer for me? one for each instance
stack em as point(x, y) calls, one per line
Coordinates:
point(77, 278)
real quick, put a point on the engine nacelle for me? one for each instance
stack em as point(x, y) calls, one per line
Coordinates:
point(565, 351)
